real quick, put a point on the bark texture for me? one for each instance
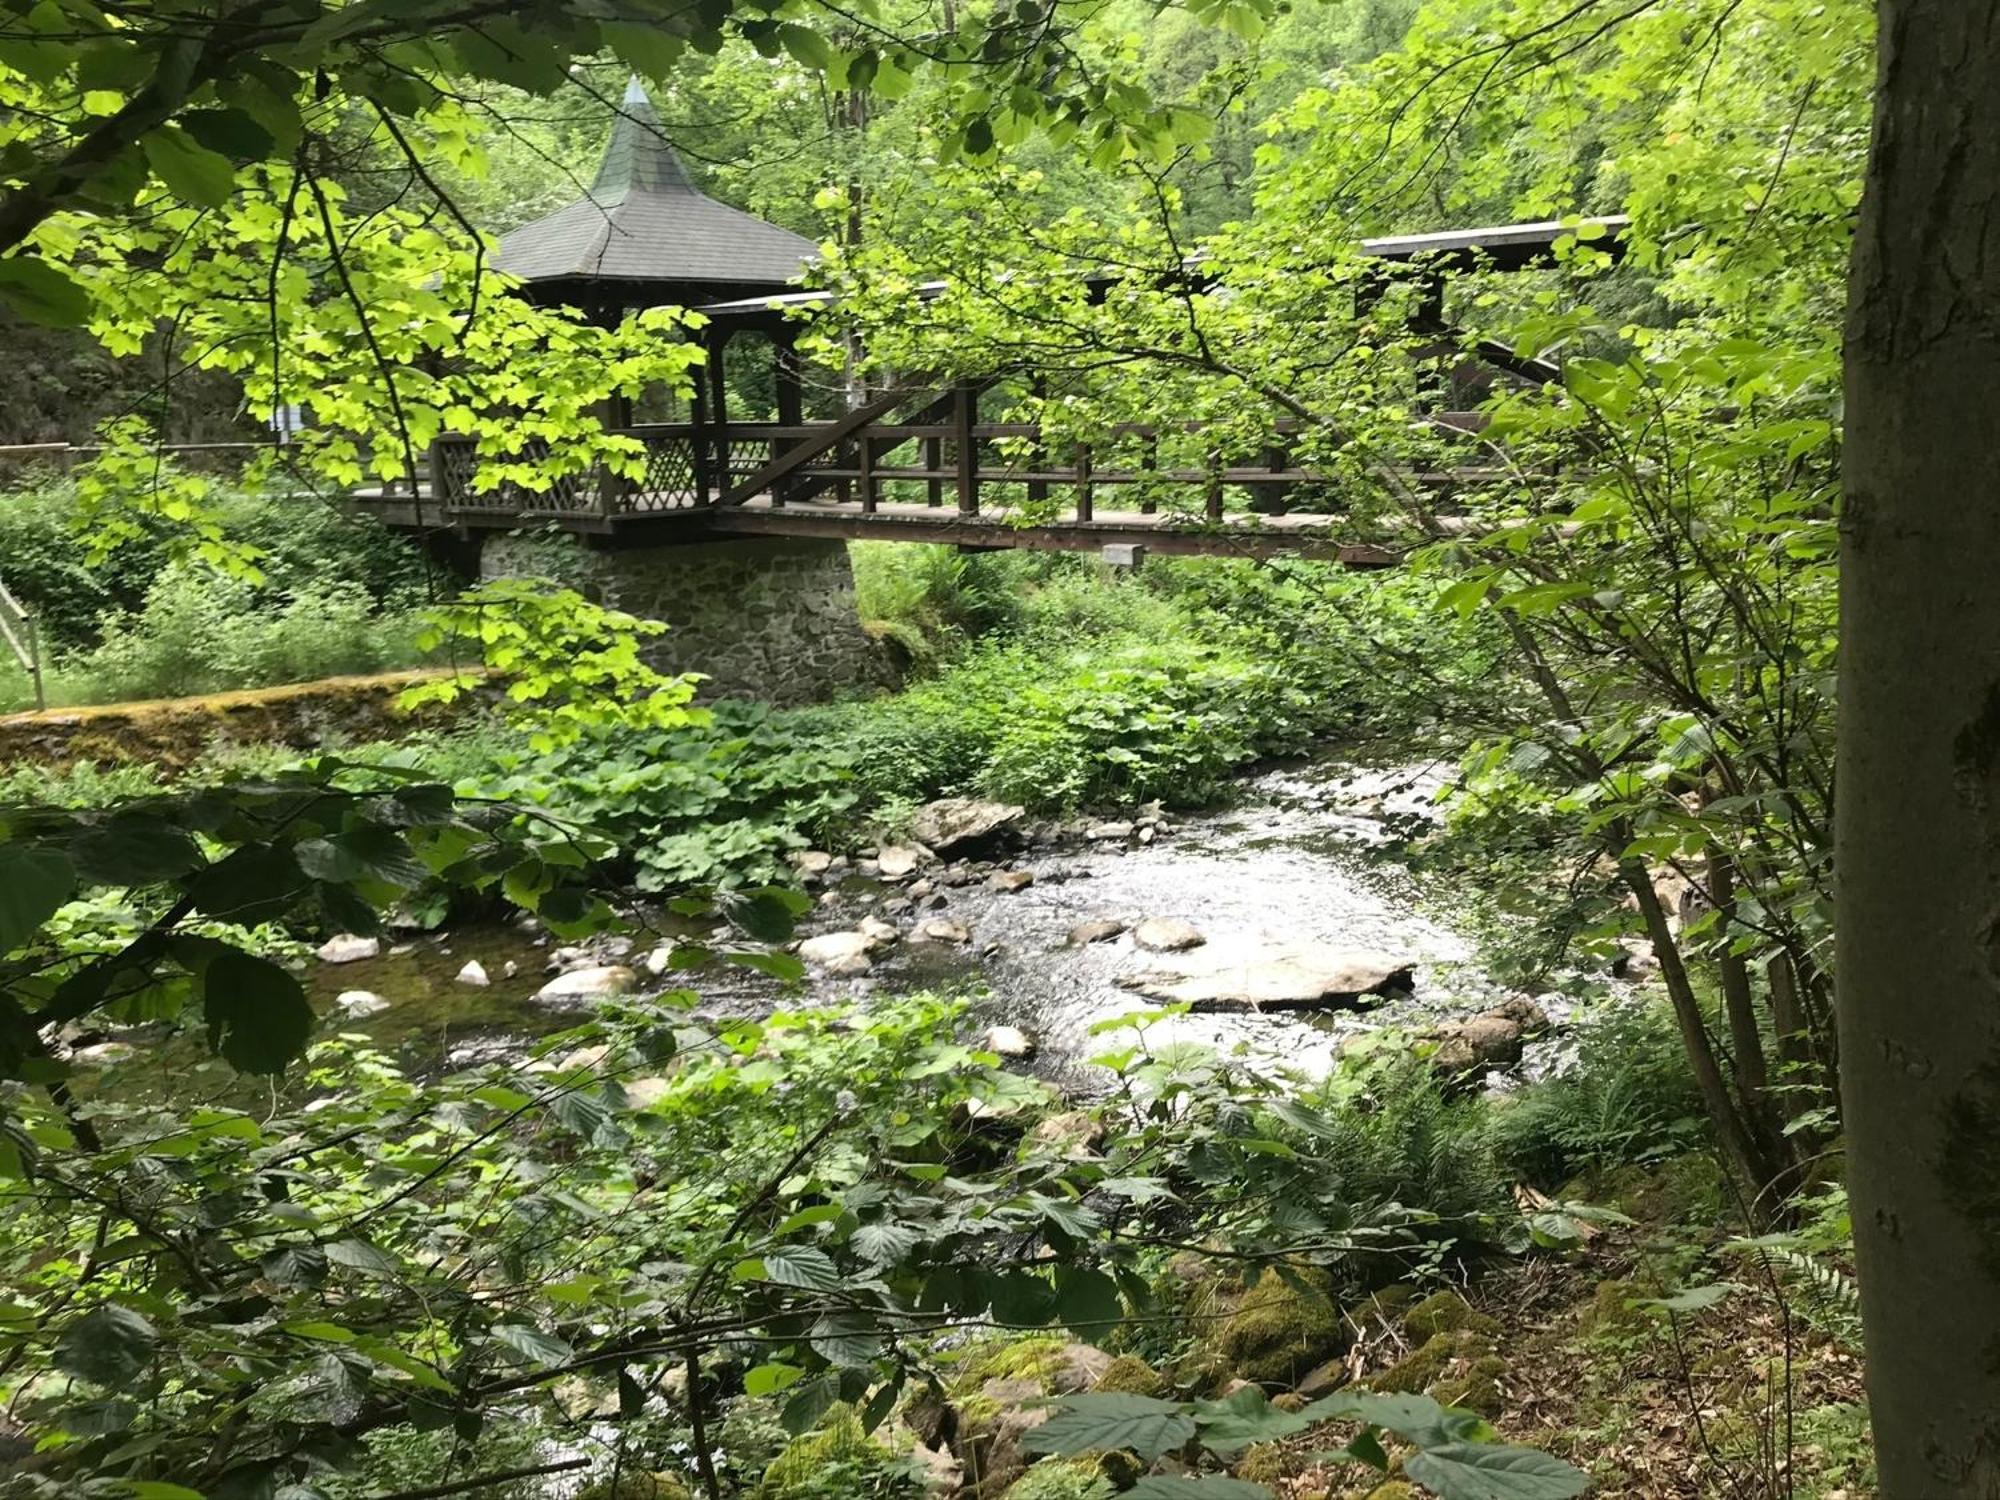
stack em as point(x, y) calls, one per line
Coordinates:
point(1918, 827)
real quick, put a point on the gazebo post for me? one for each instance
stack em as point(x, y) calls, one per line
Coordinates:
point(791, 406)
point(718, 388)
point(698, 451)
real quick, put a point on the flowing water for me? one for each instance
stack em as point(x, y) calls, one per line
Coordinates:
point(1300, 856)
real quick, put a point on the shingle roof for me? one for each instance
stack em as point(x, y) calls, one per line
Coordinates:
point(645, 221)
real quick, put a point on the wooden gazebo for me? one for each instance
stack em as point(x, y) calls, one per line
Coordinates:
point(646, 236)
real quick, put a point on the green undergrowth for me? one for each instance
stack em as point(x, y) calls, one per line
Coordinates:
point(1047, 682)
point(338, 594)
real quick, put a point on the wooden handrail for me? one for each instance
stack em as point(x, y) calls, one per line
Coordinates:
point(817, 441)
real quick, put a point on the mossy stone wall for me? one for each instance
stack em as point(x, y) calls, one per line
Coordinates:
point(771, 619)
point(173, 733)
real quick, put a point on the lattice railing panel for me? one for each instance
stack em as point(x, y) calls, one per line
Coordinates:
point(668, 482)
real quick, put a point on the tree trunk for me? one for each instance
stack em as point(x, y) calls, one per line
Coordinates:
point(1918, 825)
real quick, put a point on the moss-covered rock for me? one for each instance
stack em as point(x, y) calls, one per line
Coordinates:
point(1445, 1312)
point(1057, 1365)
point(1480, 1387)
point(1444, 1356)
point(838, 1443)
point(1130, 1375)
point(1265, 1463)
point(1061, 1479)
point(1001, 1391)
point(1277, 1332)
point(636, 1486)
point(1611, 1312)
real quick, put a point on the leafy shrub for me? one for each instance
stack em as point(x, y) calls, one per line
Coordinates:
point(1406, 1140)
point(720, 803)
point(932, 599)
point(302, 541)
point(200, 632)
point(1627, 1097)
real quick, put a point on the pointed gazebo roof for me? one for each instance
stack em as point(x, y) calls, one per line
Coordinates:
point(644, 233)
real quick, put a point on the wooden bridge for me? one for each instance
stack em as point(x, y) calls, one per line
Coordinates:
point(919, 464)
point(925, 464)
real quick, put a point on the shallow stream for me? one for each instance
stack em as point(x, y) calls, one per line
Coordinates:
point(1299, 858)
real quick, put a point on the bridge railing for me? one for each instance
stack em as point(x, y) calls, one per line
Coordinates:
point(691, 466)
point(674, 476)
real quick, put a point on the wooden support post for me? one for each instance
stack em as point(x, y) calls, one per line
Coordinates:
point(1149, 466)
point(1038, 456)
point(1278, 458)
point(1213, 506)
point(1084, 503)
point(718, 390)
point(933, 461)
point(791, 411)
point(964, 415)
point(704, 487)
point(865, 461)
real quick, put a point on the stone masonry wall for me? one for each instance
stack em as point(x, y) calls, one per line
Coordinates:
point(767, 619)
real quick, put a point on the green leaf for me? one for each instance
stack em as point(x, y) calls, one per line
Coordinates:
point(37, 291)
point(1144, 1424)
point(1693, 1299)
point(254, 884)
point(807, 46)
point(229, 132)
point(370, 853)
point(1486, 1471)
point(845, 1339)
point(883, 1243)
point(767, 914)
point(359, 1255)
point(135, 849)
point(769, 1379)
point(651, 50)
point(1247, 1417)
point(1087, 1301)
point(258, 1018)
point(108, 1346)
point(190, 170)
point(158, 1489)
point(544, 1350)
point(1195, 1487)
point(811, 1400)
point(34, 883)
point(803, 1266)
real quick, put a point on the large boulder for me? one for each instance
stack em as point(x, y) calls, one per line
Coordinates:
point(348, 948)
point(838, 952)
point(1167, 935)
point(1103, 930)
point(956, 822)
point(1481, 1045)
point(590, 983)
point(358, 1005)
point(1281, 1329)
point(1009, 1041)
point(1246, 973)
point(1003, 1394)
point(894, 861)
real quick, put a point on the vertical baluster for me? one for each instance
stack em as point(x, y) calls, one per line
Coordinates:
point(865, 461)
point(933, 461)
point(1149, 468)
point(1213, 505)
point(1084, 503)
point(1038, 456)
point(964, 414)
